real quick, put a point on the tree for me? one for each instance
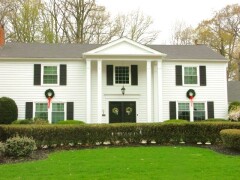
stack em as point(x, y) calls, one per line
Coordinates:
point(25, 21)
point(222, 33)
point(182, 34)
point(136, 26)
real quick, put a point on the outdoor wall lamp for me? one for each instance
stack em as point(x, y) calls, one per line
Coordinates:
point(123, 90)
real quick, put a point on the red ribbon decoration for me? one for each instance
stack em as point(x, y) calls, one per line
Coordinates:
point(49, 101)
point(191, 100)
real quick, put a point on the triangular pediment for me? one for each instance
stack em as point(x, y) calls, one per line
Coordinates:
point(124, 46)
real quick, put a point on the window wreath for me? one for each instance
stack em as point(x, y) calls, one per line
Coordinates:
point(49, 94)
point(191, 94)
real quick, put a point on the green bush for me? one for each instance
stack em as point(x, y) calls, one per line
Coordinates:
point(19, 146)
point(215, 120)
point(176, 121)
point(40, 121)
point(70, 122)
point(8, 110)
point(126, 133)
point(23, 121)
point(231, 138)
point(233, 106)
point(2, 149)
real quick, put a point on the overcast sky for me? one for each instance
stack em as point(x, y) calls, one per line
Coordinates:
point(166, 13)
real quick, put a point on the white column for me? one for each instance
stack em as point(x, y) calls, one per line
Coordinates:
point(149, 91)
point(160, 91)
point(99, 91)
point(88, 90)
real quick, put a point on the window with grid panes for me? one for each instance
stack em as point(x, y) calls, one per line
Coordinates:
point(199, 111)
point(190, 75)
point(121, 75)
point(50, 75)
point(184, 111)
point(57, 112)
point(41, 111)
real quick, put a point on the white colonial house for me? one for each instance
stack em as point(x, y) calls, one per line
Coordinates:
point(122, 81)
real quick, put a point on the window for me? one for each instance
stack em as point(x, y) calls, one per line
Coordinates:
point(121, 75)
point(199, 111)
point(183, 111)
point(190, 75)
point(50, 75)
point(41, 111)
point(57, 112)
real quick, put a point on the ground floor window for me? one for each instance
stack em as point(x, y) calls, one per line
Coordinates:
point(195, 111)
point(199, 111)
point(184, 111)
point(41, 111)
point(55, 113)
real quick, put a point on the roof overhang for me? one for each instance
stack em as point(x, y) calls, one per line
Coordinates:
point(123, 49)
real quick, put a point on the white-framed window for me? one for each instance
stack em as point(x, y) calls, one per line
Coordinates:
point(184, 111)
point(195, 111)
point(122, 74)
point(50, 74)
point(191, 75)
point(199, 111)
point(58, 112)
point(41, 111)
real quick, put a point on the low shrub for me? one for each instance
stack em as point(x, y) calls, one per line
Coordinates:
point(40, 121)
point(231, 138)
point(23, 121)
point(176, 121)
point(125, 133)
point(70, 122)
point(19, 146)
point(215, 120)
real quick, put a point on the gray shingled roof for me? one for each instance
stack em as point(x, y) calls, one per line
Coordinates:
point(38, 50)
point(233, 91)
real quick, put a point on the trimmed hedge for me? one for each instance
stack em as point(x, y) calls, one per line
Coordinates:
point(71, 122)
point(90, 135)
point(231, 138)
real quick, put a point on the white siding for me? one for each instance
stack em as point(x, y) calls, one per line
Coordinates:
point(16, 82)
point(215, 90)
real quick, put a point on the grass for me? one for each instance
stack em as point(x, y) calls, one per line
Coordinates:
point(128, 163)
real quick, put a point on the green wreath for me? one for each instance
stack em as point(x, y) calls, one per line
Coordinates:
point(49, 93)
point(191, 91)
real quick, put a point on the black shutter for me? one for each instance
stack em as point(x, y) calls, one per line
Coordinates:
point(172, 110)
point(210, 109)
point(29, 110)
point(109, 74)
point(203, 76)
point(37, 74)
point(134, 74)
point(63, 74)
point(178, 75)
point(70, 110)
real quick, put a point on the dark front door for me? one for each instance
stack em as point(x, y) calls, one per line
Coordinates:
point(120, 112)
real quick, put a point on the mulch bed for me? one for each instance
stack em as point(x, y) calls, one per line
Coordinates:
point(43, 153)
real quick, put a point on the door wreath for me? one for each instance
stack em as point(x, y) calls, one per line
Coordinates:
point(128, 110)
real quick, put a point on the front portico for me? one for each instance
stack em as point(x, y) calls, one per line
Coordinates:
point(123, 63)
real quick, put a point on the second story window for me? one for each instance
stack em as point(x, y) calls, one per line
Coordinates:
point(50, 75)
point(121, 74)
point(190, 75)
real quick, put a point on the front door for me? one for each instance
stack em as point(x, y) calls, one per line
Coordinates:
point(120, 112)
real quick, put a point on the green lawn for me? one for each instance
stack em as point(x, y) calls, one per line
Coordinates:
point(128, 163)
